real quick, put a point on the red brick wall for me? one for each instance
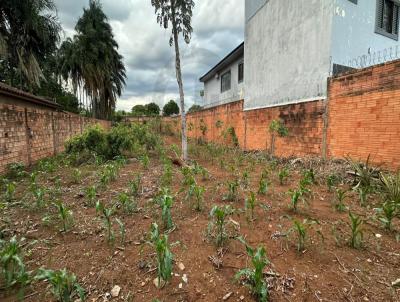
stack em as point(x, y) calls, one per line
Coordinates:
point(30, 134)
point(364, 115)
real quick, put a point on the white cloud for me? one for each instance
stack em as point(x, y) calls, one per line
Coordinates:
point(218, 28)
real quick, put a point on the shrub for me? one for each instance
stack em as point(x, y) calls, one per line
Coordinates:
point(93, 139)
point(391, 187)
point(65, 286)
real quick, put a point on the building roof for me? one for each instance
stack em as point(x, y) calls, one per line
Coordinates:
point(27, 97)
point(236, 54)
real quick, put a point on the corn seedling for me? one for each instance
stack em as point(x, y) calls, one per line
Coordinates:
point(12, 266)
point(332, 181)
point(39, 197)
point(108, 174)
point(356, 224)
point(301, 230)
point(245, 181)
point(283, 175)
point(232, 194)
point(15, 170)
point(91, 194)
point(164, 255)
point(127, 203)
point(263, 186)
point(33, 181)
point(122, 231)
point(254, 277)
point(166, 178)
point(76, 176)
point(106, 214)
point(363, 192)
point(308, 178)
point(219, 216)
point(65, 286)
point(166, 201)
point(341, 195)
point(387, 213)
point(250, 204)
point(188, 178)
point(65, 215)
point(145, 161)
point(296, 196)
point(9, 193)
point(135, 186)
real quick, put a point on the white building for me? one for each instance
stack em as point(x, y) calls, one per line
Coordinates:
point(292, 47)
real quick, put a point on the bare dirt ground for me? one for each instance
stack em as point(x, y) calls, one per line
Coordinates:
point(328, 270)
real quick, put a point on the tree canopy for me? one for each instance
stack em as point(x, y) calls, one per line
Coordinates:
point(195, 108)
point(91, 61)
point(170, 108)
point(151, 109)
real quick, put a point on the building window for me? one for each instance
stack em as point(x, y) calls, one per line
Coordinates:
point(387, 18)
point(226, 81)
point(240, 72)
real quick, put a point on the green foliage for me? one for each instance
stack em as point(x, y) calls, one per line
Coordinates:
point(263, 186)
point(91, 194)
point(254, 277)
point(188, 176)
point(250, 204)
point(76, 176)
point(12, 265)
point(135, 185)
point(245, 181)
point(65, 215)
point(279, 128)
point(308, 178)
point(283, 175)
point(301, 230)
point(15, 170)
point(93, 140)
point(145, 160)
point(10, 188)
point(364, 175)
point(65, 286)
point(356, 225)
point(127, 203)
point(106, 214)
point(170, 108)
point(391, 187)
point(203, 128)
point(39, 196)
point(196, 193)
point(166, 200)
point(341, 195)
point(108, 173)
point(218, 223)
point(164, 255)
point(387, 212)
point(296, 196)
point(166, 178)
point(232, 134)
point(151, 109)
point(122, 231)
point(232, 194)
point(195, 108)
point(332, 181)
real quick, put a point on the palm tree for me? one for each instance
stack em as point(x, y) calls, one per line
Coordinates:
point(29, 32)
point(91, 60)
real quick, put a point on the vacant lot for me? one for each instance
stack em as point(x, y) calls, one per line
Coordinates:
point(314, 252)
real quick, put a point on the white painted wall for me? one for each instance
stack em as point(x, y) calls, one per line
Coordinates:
point(287, 52)
point(354, 34)
point(212, 88)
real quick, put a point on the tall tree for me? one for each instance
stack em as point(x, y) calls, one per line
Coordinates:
point(90, 60)
point(177, 14)
point(29, 33)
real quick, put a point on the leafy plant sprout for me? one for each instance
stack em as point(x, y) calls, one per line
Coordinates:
point(127, 203)
point(219, 216)
point(245, 182)
point(76, 176)
point(332, 181)
point(254, 277)
point(91, 194)
point(250, 204)
point(164, 255)
point(301, 230)
point(65, 286)
point(122, 230)
point(283, 175)
point(65, 215)
point(263, 186)
point(166, 178)
point(198, 195)
point(135, 185)
point(145, 161)
point(106, 215)
point(39, 197)
point(12, 265)
point(387, 213)
point(232, 194)
point(356, 225)
point(341, 195)
point(166, 201)
point(10, 188)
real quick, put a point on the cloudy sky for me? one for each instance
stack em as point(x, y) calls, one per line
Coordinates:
point(218, 29)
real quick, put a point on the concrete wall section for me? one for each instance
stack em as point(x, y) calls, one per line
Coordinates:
point(354, 34)
point(287, 52)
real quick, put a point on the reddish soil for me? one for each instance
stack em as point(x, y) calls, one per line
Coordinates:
point(326, 271)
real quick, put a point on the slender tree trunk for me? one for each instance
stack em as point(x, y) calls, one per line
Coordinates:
point(181, 93)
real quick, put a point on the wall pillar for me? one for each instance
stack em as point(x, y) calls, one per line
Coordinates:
point(28, 135)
